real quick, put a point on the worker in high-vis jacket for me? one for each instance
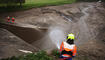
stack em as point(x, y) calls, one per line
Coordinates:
point(68, 48)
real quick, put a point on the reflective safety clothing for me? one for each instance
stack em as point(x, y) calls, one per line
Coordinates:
point(68, 50)
point(13, 19)
point(8, 19)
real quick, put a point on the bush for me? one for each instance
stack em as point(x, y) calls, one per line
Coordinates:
point(41, 55)
point(12, 1)
point(56, 53)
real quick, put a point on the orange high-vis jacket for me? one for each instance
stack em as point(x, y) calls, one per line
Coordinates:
point(67, 47)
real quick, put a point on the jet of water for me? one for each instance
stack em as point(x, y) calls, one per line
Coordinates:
point(57, 35)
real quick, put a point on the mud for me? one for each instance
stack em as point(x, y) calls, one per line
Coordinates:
point(28, 34)
point(45, 28)
point(10, 45)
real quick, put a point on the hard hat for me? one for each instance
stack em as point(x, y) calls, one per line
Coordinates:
point(70, 36)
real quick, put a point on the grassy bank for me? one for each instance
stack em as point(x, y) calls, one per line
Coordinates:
point(47, 2)
point(33, 4)
point(40, 3)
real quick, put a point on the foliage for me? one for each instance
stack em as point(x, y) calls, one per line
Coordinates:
point(12, 1)
point(56, 53)
point(41, 55)
point(36, 3)
point(32, 4)
point(90, 0)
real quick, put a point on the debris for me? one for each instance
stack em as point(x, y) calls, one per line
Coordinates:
point(25, 51)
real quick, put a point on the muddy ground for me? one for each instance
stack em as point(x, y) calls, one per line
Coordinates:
point(44, 27)
point(10, 45)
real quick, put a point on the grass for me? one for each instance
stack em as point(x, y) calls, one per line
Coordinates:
point(33, 4)
point(52, 2)
point(40, 3)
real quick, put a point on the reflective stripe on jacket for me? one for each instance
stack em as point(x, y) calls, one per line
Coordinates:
point(67, 47)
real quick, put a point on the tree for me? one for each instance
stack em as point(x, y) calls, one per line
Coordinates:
point(12, 2)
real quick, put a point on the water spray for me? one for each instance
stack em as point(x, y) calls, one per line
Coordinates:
point(57, 35)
